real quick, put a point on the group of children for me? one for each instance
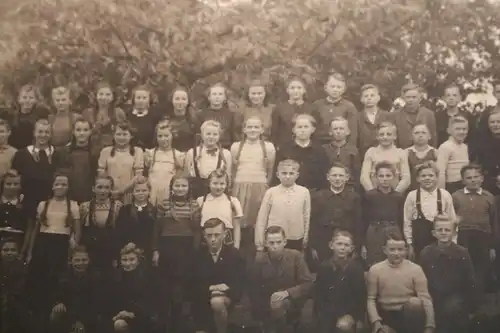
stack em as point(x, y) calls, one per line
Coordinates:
point(146, 204)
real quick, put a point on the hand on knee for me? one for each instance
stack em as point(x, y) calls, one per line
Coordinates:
point(120, 325)
point(278, 308)
point(218, 304)
point(346, 324)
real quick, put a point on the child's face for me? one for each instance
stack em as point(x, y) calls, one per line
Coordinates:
point(370, 97)
point(82, 132)
point(459, 131)
point(335, 88)
point(296, 90)
point(11, 186)
point(180, 100)
point(412, 98)
point(104, 96)
point(253, 129)
point(337, 178)
point(141, 193)
point(452, 97)
point(61, 101)
point(4, 135)
point(10, 251)
point(384, 177)
point(42, 134)
point(214, 237)
point(303, 129)
point(287, 175)
point(275, 244)
point(218, 185)
point(164, 138)
point(472, 179)
point(256, 95)
point(494, 123)
point(122, 137)
point(395, 251)
point(339, 130)
point(180, 187)
point(80, 261)
point(444, 231)
point(341, 246)
point(421, 135)
point(427, 179)
point(60, 186)
point(217, 96)
point(141, 99)
point(129, 261)
point(210, 136)
point(102, 189)
point(26, 99)
point(386, 136)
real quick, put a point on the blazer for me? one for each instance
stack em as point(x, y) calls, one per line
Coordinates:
point(367, 131)
point(405, 126)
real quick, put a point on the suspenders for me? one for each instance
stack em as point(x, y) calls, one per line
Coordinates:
point(420, 214)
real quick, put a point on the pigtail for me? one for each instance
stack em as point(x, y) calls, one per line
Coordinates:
point(43, 215)
point(222, 157)
point(153, 160)
point(90, 220)
point(110, 221)
point(69, 216)
point(238, 154)
point(264, 154)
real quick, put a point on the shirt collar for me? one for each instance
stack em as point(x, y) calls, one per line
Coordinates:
point(330, 100)
point(304, 146)
point(215, 256)
point(33, 150)
point(433, 192)
point(337, 192)
point(138, 113)
point(289, 188)
point(13, 202)
point(467, 191)
point(140, 208)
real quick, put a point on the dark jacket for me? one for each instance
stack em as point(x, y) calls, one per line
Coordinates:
point(144, 127)
point(348, 156)
point(327, 111)
point(367, 131)
point(23, 125)
point(404, 123)
point(229, 120)
point(134, 226)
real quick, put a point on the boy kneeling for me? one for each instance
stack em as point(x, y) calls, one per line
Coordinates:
point(398, 298)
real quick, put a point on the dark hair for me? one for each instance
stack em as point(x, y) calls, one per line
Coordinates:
point(342, 232)
point(79, 249)
point(12, 173)
point(142, 87)
point(385, 165)
point(471, 166)
point(112, 107)
point(336, 76)
point(257, 83)
point(427, 165)
point(367, 87)
point(69, 216)
point(212, 223)
point(14, 240)
point(111, 218)
point(180, 175)
point(72, 145)
point(170, 101)
point(275, 229)
point(394, 235)
point(410, 86)
point(457, 120)
point(124, 126)
point(453, 86)
point(339, 166)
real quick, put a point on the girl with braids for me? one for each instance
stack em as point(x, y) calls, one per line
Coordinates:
point(162, 162)
point(208, 156)
point(98, 223)
point(176, 234)
point(103, 116)
point(253, 161)
point(182, 119)
point(122, 161)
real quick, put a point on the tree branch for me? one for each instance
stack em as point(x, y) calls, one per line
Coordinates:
point(321, 42)
point(117, 34)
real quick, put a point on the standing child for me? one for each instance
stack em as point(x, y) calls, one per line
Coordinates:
point(308, 153)
point(420, 152)
point(182, 118)
point(450, 274)
point(162, 162)
point(338, 151)
point(370, 118)
point(13, 221)
point(453, 155)
point(201, 160)
point(334, 105)
point(287, 205)
point(63, 119)
point(339, 291)
point(421, 207)
point(123, 162)
point(382, 213)
point(253, 162)
point(257, 105)
point(478, 227)
point(284, 113)
point(219, 111)
point(7, 152)
point(386, 151)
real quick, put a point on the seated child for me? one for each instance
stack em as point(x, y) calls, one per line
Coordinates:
point(397, 292)
point(420, 152)
point(280, 283)
point(451, 279)
point(340, 290)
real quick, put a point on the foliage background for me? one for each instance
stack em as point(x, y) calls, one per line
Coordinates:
point(161, 42)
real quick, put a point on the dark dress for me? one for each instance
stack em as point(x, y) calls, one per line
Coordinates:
point(23, 125)
point(134, 225)
point(183, 132)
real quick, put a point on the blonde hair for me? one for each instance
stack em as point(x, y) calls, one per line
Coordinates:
point(61, 91)
point(457, 120)
point(289, 163)
point(340, 119)
point(300, 116)
point(387, 124)
point(211, 123)
point(445, 218)
point(141, 180)
point(131, 248)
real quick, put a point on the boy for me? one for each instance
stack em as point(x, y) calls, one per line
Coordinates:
point(411, 114)
point(281, 283)
point(6, 151)
point(453, 154)
point(287, 205)
point(370, 118)
point(421, 207)
point(335, 208)
point(451, 279)
point(338, 151)
point(63, 118)
point(334, 105)
point(478, 227)
point(397, 292)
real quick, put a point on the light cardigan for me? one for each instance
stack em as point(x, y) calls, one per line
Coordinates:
point(451, 157)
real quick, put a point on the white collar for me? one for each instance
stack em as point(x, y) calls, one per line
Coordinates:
point(216, 255)
point(412, 148)
point(303, 145)
point(433, 192)
point(32, 149)
point(337, 192)
point(142, 113)
point(140, 208)
point(467, 191)
point(13, 202)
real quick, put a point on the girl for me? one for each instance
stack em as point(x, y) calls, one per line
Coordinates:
point(257, 105)
point(6, 151)
point(103, 116)
point(208, 156)
point(80, 158)
point(385, 151)
point(420, 152)
point(63, 119)
point(123, 162)
point(35, 165)
point(27, 111)
point(143, 117)
point(219, 204)
point(219, 111)
point(253, 162)
point(57, 227)
point(175, 236)
point(99, 219)
point(135, 221)
point(12, 218)
point(162, 162)
point(182, 120)
point(282, 116)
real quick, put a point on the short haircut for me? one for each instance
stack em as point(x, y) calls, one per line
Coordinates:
point(336, 76)
point(457, 120)
point(12, 173)
point(61, 91)
point(131, 248)
point(394, 235)
point(211, 123)
point(368, 86)
point(427, 165)
point(453, 86)
point(294, 78)
point(445, 218)
point(219, 173)
point(385, 165)
point(340, 119)
point(307, 116)
point(341, 232)
point(387, 124)
point(289, 163)
point(339, 166)
point(421, 124)
point(79, 249)
point(5, 123)
point(212, 223)
point(471, 166)
point(14, 240)
point(275, 229)
point(410, 86)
